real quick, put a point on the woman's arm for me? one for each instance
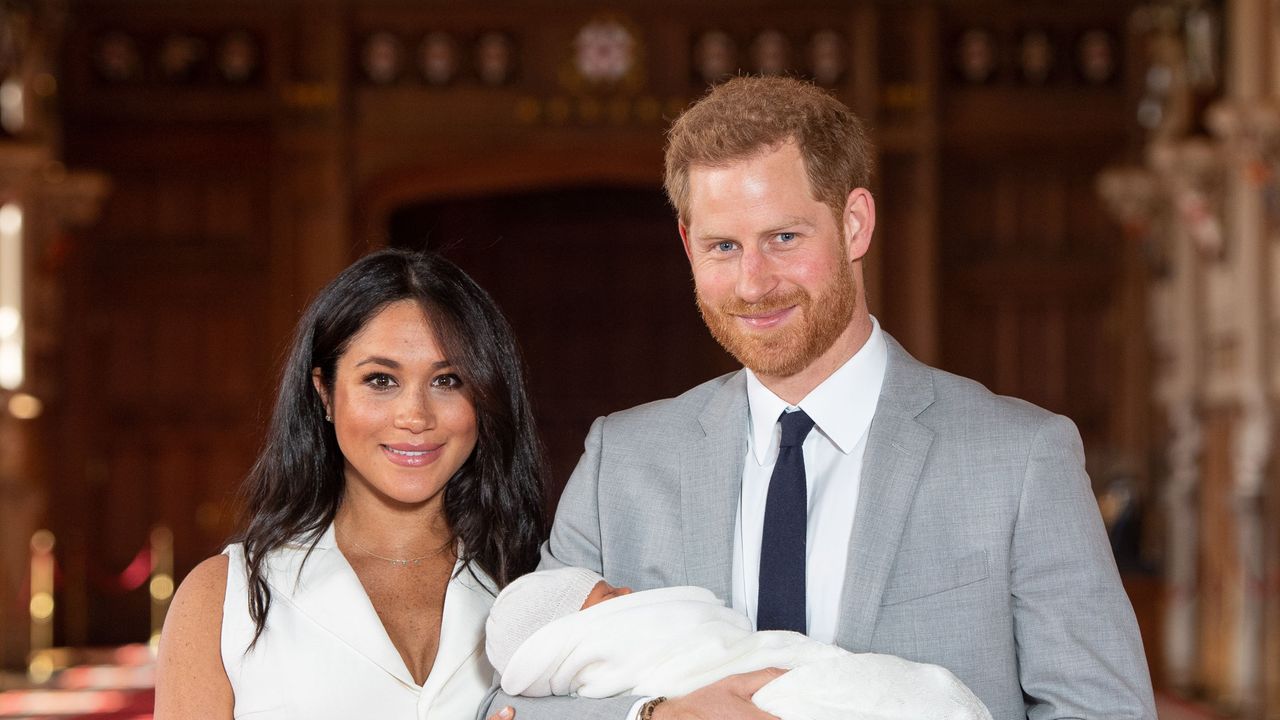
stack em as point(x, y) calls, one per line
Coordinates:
point(190, 679)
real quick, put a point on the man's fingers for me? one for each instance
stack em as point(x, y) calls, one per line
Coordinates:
point(747, 684)
point(505, 713)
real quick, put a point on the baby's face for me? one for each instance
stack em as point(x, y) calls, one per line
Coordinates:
point(604, 591)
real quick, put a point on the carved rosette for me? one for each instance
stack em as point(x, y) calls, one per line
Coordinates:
point(606, 56)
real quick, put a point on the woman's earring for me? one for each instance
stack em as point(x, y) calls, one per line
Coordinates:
point(328, 417)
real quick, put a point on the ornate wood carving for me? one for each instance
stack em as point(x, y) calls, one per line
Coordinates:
point(1208, 212)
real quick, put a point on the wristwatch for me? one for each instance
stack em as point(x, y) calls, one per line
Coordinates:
point(646, 710)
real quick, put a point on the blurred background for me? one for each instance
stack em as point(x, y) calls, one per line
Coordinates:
point(1078, 206)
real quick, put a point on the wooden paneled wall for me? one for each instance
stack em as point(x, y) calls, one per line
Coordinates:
point(172, 362)
point(1034, 295)
point(239, 193)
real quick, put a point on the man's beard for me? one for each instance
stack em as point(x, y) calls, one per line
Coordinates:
point(785, 351)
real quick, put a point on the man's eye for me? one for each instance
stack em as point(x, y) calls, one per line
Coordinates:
point(786, 237)
point(725, 246)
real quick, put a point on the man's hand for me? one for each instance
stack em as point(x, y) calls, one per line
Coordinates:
point(728, 699)
point(505, 713)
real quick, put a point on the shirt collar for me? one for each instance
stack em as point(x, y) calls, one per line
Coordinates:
point(841, 406)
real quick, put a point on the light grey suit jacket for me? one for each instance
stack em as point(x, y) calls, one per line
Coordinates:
point(977, 543)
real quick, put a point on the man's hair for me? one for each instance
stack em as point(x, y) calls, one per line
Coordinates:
point(747, 116)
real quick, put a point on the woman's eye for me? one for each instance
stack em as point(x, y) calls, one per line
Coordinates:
point(446, 381)
point(380, 381)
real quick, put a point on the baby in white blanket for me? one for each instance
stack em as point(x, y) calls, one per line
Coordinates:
point(553, 633)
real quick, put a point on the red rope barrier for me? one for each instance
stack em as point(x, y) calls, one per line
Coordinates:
point(134, 575)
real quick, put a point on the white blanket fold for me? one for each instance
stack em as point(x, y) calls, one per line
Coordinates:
point(672, 641)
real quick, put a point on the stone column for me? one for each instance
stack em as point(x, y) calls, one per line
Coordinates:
point(1216, 317)
point(1186, 170)
point(1238, 284)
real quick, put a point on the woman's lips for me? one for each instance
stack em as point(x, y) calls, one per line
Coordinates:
point(406, 455)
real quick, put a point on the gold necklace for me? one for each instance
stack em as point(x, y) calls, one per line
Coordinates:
point(410, 562)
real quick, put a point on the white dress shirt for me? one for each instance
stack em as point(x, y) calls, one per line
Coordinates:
point(841, 407)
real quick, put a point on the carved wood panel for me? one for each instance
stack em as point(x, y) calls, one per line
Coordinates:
point(171, 369)
point(1030, 281)
point(1033, 300)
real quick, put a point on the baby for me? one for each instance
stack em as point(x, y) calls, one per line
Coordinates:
point(568, 632)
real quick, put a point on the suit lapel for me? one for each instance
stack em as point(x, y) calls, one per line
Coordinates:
point(328, 591)
point(709, 488)
point(466, 605)
point(896, 449)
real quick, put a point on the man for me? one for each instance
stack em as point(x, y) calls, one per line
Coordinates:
point(837, 486)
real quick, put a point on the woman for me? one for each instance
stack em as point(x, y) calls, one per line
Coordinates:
point(399, 488)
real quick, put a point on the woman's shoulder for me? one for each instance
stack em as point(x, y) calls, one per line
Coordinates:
point(203, 591)
point(195, 615)
point(190, 646)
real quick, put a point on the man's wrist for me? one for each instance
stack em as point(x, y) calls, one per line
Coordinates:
point(647, 710)
point(634, 712)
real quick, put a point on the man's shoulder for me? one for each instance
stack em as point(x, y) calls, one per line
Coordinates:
point(938, 397)
point(964, 402)
point(674, 412)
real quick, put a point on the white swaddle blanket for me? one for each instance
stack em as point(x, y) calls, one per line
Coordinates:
point(671, 641)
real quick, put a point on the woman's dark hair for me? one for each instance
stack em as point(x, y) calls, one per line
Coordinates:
point(493, 503)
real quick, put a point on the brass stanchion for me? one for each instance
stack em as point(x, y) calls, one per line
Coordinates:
point(40, 659)
point(161, 585)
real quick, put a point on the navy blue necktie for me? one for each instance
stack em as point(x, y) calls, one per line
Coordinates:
point(781, 602)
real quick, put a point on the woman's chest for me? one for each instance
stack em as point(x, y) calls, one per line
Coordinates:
point(411, 609)
point(305, 669)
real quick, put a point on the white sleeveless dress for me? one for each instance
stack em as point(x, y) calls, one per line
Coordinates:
point(324, 653)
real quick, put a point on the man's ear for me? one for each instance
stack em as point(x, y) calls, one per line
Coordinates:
point(317, 381)
point(684, 238)
point(859, 222)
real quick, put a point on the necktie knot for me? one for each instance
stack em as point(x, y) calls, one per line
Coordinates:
point(795, 428)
